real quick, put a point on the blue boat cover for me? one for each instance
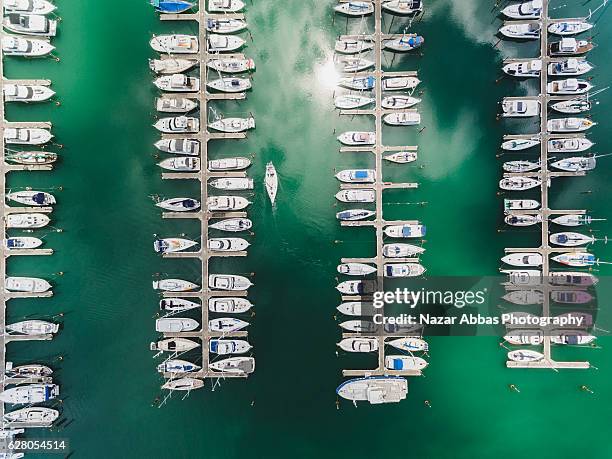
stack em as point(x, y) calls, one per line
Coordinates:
point(406, 231)
point(10, 243)
point(214, 345)
point(398, 364)
point(361, 174)
point(38, 198)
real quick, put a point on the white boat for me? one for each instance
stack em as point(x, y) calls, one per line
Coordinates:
point(175, 104)
point(523, 277)
point(227, 325)
point(271, 182)
point(404, 363)
point(402, 119)
point(568, 86)
point(172, 245)
point(175, 44)
point(520, 204)
point(29, 6)
point(569, 145)
point(28, 221)
point(232, 183)
point(27, 136)
point(525, 337)
point(178, 125)
point(223, 25)
point(229, 164)
point(523, 259)
point(354, 214)
point(357, 176)
point(522, 220)
point(355, 64)
point(356, 308)
point(177, 345)
point(358, 83)
point(524, 297)
point(229, 305)
point(358, 326)
point(569, 27)
point(31, 198)
point(233, 124)
point(30, 24)
point(171, 66)
point(26, 93)
point(523, 69)
point(25, 47)
point(571, 296)
point(357, 287)
point(356, 269)
point(356, 195)
point(348, 46)
point(227, 244)
point(572, 106)
point(399, 83)
point(570, 239)
point(30, 394)
point(407, 42)
point(401, 157)
point(403, 6)
point(27, 370)
point(183, 384)
point(518, 183)
point(574, 279)
point(181, 164)
point(520, 108)
point(576, 259)
point(405, 231)
point(31, 157)
point(399, 102)
point(569, 47)
point(573, 337)
point(223, 43)
point(175, 324)
point(231, 64)
point(226, 203)
point(26, 284)
point(228, 282)
point(33, 327)
point(357, 138)
point(569, 67)
point(575, 164)
point(22, 242)
point(225, 6)
point(179, 204)
point(354, 8)
point(32, 416)
point(177, 304)
point(521, 166)
point(174, 285)
point(401, 250)
point(358, 344)
point(177, 82)
point(526, 10)
point(177, 366)
point(574, 220)
point(233, 225)
point(235, 365)
point(190, 147)
point(229, 346)
point(528, 31)
point(520, 144)
point(569, 124)
point(349, 101)
point(374, 389)
point(403, 270)
point(409, 343)
point(525, 355)
point(230, 84)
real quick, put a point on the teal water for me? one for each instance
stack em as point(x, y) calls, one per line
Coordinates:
point(288, 407)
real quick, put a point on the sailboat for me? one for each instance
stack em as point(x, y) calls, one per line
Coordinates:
point(174, 345)
point(569, 27)
point(399, 102)
point(230, 85)
point(179, 204)
point(174, 285)
point(350, 46)
point(525, 355)
point(354, 214)
point(177, 304)
point(576, 259)
point(524, 297)
point(403, 6)
point(172, 245)
point(576, 163)
point(235, 365)
point(355, 64)
point(518, 183)
point(575, 220)
point(33, 327)
point(407, 42)
point(401, 250)
point(399, 83)
point(223, 25)
point(171, 6)
point(409, 343)
point(31, 198)
point(26, 284)
point(225, 6)
point(31, 416)
point(520, 166)
point(520, 204)
point(523, 259)
point(223, 43)
point(350, 101)
point(177, 366)
point(175, 324)
point(572, 106)
point(233, 124)
point(183, 384)
point(401, 157)
point(520, 144)
point(229, 164)
point(403, 270)
point(227, 325)
point(571, 239)
point(271, 182)
point(356, 308)
point(29, 394)
point(28, 220)
point(233, 224)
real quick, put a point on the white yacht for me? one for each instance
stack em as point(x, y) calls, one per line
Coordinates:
point(25, 47)
point(229, 164)
point(222, 43)
point(229, 346)
point(179, 204)
point(190, 147)
point(27, 136)
point(175, 44)
point(232, 305)
point(181, 164)
point(232, 224)
point(232, 183)
point(177, 82)
point(231, 64)
point(175, 104)
point(29, 6)
point(227, 244)
point(31, 198)
point(374, 389)
point(26, 93)
point(233, 124)
point(358, 344)
point(228, 282)
point(174, 285)
point(178, 125)
point(405, 231)
point(175, 325)
point(26, 284)
point(27, 221)
point(523, 69)
point(357, 176)
point(33, 327)
point(172, 65)
point(226, 203)
point(30, 24)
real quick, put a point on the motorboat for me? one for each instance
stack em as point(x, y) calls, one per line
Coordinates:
point(33, 327)
point(349, 46)
point(575, 164)
point(175, 44)
point(569, 27)
point(350, 101)
point(399, 102)
point(518, 183)
point(356, 195)
point(177, 82)
point(355, 214)
point(271, 182)
point(179, 204)
point(229, 305)
point(183, 384)
point(374, 389)
point(185, 146)
point(233, 124)
point(177, 366)
point(524, 297)
point(223, 43)
point(525, 337)
point(401, 157)
point(574, 279)
point(571, 239)
point(232, 225)
point(568, 86)
point(175, 324)
point(405, 231)
point(357, 287)
point(520, 144)
point(226, 203)
point(172, 245)
point(229, 346)
point(525, 31)
point(357, 138)
point(177, 345)
point(403, 6)
point(409, 344)
point(31, 198)
point(569, 145)
point(576, 259)
point(231, 64)
point(26, 93)
point(26, 284)
point(174, 285)
point(574, 220)
point(31, 157)
point(525, 355)
point(520, 107)
point(569, 47)
point(29, 394)
point(523, 277)
point(522, 220)
point(526, 10)
point(399, 83)
point(402, 119)
point(403, 270)
point(227, 325)
point(171, 6)
point(27, 221)
point(361, 83)
point(401, 250)
point(41, 7)
point(523, 259)
point(571, 296)
point(355, 64)
point(572, 337)
point(227, 244)
point(30, 24)
point(32, 370)
point(520, 204)
point(32, 416)
point(356, 269)
point(27, 136)
point(523, 69)
point(357, 176)
point(229, 164)
point(356, 308)
point(232, 183)
point(358, 326)
point(181, 164)
point(177, 304)
point(25, 47)
point(572, 106)
point(358, 344)
point(230, 84)
point(178, 125)
point(235, 365)
point(569, 67)
point(22, 242)
point(228, 282)
point(405, 363)
point(171, 65)
point(225, 6)
point(569, 124)
point(405, 43)
point(225, 25)
point(519, 166)
point(354, 8)
point(175, 104)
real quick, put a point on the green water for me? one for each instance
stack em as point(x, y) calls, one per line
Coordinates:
point(287, 408)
